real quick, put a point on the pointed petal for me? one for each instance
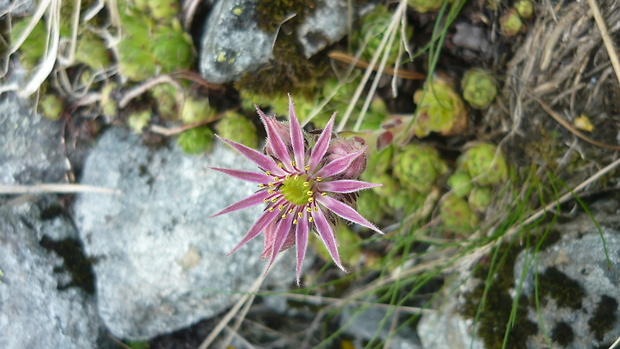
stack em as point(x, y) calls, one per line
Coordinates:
point(297, 136)
point(321, 145)
point(301, 236)
point(276, 143)
point(345, 186)
point(281, 233)
point(327, 235)
point(255, 177)
point(259, 226)
point(338, 165)
point(346, 212)
point(261, 160)
point(252, 200)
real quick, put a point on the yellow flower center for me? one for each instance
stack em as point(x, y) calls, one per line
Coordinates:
point(297, 189)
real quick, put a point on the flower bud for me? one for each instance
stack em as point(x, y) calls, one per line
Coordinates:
point(480, 198)
point(485, 164)
point(479, 89)
point(524, 8)
point(510, 23)
point(460, 183)
point(341, 147)
point(440, 109)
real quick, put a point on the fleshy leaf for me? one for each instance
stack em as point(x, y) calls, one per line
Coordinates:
point(338, 165)
point(346, 212)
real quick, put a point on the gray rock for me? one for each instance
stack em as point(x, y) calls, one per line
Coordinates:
point(16, 7)
point(374, 323)
point(325, 26)
point(33, 312)
point(232, 43)
point(162, 265)
point(579, 256)
point(31, 145)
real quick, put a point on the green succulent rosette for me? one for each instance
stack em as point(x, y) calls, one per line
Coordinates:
point(137, 121)
point(479, 88)
point(417, 167)
point(485, 164)
point(456, 215)
point(92, 51)
point(196, 140)
point(480, 198)
point(195, 110)
point(424, 6)
point(237, 128)
point(510, 23)
point(524, 8)
point(172, 48)
point(33, 48)
point(134, 51)
point(51, 107)
point(165, 99)
point(439, 109)
point(371, 205)
point(460, 183)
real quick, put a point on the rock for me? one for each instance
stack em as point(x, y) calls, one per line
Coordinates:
point(16, 7)
point(232, 43)
point(34, 312)
point(578, 291)
point(31, 145)
point(325, 26)
point(374, 324)
point(162, 265)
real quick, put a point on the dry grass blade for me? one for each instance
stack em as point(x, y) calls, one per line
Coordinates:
point(55, 188)
point(609, 44)
point(347, 58)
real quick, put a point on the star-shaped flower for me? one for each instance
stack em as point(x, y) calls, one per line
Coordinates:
point(304, 180)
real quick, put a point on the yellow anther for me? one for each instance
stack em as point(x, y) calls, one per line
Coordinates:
point(307, 168)
point(270, 184)
point(288, 176)
point(306, 184)
point(268, 173)
point(310, 219)
point(261, 185)
point(265, 200)
point(316, 209)
point(310, 199)
point(280, 207)
point(271, 209)
point(309, 192)
point(323, 194)
point(284, 216)
point(271, 191)
point(308, 209)
point(294, 221)
point(318, 179)
point(274, 199)
point(280, 165)
point(275, 179)
point(296, 177)
point(299, 214)
point(290, 211)
point(293, 163)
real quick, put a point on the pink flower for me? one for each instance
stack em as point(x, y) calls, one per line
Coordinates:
point(304, 188)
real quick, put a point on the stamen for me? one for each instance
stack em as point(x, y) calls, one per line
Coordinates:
point(280, 207)
point(307, 168)
point(265, 200)
point(294, 221)
point(323, 194)
point(309, 192)
point(310, 219)
point(280, 165)
point(310, 199)
point(275, 179)
point(308, 209)
point(318, 179)
point(284, 216)
point(271, 191)
point(296, 177)
point(274, 199)
point(306, 184)
point(290, 211)
point(261, 185)
point(268, 173)
point(270, 184)
point(299, 214)
point(316, 209)
point(271, 209)
point(287, 176)
point(293, 163)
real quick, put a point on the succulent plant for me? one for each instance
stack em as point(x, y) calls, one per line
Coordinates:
point(163, 10)
point(92, 51)
point(237, 128)
point(371, 205)
point(51, 107)
point(195, 110)
point(372, 28)
point(460, 183)
point(164, 96)
point(440, 109)
point(524, 8)
point(480, 198)
point(350, 252)
point(418, 166)
point(196, 140)
point(378, 163)
point(424, 6)
point(510, 23)
point(108, 102)
point(485, 164)
point(407, 201)
point(134, 52)
point(456, 215)
point(137, 121)
point(172, 47)
point(479, 88)
point(33, 48)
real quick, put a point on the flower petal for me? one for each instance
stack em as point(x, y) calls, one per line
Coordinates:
point(297, 136)
point(255, 177)
point(252, 200)
point(276, 143)
point(261, 160)
point(321, 145)
point(284, 226)
point(345, 186)
point(338, 165)
point(346, 212)
point(301, 236)
point(327, 235)
point(260, 224)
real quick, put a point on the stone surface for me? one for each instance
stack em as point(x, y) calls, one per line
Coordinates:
point(325, 26)
point(374, 323)
point(580, 257)
point(161, 264)
point(31, 145)
point(232, 43)
point(34, 313)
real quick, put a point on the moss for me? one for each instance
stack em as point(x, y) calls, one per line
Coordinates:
point(271, 13)
point(562, 334)
point(604, 318)
point(566, 291)
point(491, 326)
